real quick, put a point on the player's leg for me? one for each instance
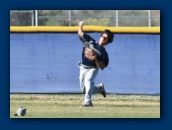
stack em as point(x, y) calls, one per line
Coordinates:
point(97, 89)
point(89, 85)
point(100, 89)
point(83, 73)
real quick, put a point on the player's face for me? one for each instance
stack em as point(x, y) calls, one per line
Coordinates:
point(104, 39)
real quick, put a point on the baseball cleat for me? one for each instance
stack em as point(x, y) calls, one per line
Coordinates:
point(102, 90)
point(86, 105)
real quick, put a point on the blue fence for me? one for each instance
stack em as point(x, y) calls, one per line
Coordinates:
point(47, 63)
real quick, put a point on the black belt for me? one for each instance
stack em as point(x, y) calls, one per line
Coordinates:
point(89, 67)
point(86, 67)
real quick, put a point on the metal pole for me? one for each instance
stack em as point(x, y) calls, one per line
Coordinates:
point(69, 17)
point(116, 18)
point(36, 17)
point(149, 18)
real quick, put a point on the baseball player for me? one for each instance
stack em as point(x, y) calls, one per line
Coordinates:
point(94, 57)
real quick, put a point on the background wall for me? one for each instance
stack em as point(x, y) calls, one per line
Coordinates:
point(47, 63)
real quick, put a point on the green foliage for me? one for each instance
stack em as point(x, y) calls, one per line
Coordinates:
point(94, 21)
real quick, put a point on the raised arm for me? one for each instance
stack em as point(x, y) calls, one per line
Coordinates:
point(80, 28)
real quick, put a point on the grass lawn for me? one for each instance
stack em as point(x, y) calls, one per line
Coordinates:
point(68, 106)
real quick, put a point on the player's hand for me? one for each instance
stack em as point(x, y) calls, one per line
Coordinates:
point(80, 23)
point(93, 57)
point(90, 53)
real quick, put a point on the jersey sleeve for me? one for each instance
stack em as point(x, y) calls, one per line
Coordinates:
point(105, 59)
point(86, 39)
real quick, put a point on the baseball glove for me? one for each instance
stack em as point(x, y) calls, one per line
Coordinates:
point(89, 53)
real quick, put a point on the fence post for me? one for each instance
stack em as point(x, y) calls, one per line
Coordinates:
point(149, 18)
point(36, 17)
point(116, 18)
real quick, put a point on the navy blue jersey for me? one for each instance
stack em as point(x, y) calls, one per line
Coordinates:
point(102, 55)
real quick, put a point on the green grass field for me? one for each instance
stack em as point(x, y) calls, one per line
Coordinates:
point(68, 106)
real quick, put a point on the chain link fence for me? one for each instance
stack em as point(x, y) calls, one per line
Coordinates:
point(118, 18)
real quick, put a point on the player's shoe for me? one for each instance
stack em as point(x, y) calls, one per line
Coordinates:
point(85, 105)
point(102, 90)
